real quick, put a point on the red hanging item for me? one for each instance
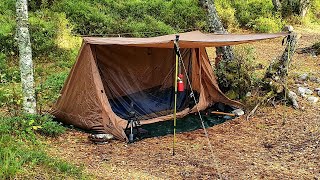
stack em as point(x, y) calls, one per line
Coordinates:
point(180, 83)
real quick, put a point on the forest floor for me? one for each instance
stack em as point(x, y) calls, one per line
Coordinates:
point(278, 142)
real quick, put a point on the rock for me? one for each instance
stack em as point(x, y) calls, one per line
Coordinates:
point(308, 92)
point(301, 91)
point(313, 79)
point(293, 97)
point(303, 77)
point(317, 89)
point(238, 112)
point(313, 99)
point(292, 94)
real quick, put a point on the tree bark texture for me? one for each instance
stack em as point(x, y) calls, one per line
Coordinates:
point(278, 69)
point(297, 7)
point(277, 5)
point(276, 76)
point(25, 57)
point(216, 26)
point(303, 7)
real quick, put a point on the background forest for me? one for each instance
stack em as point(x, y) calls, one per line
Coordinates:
point(56, 27)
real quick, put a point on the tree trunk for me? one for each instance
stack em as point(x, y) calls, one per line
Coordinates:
point(25, 56)
point(276, 76)
point(303, 7)
point(216, 26)
point(276, 5)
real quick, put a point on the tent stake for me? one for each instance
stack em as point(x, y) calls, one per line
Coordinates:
point(175, 95)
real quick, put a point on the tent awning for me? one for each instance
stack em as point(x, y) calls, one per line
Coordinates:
point(187, 40)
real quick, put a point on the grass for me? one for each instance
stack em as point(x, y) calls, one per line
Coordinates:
point(22, 149)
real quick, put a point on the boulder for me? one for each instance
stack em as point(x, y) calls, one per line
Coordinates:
point(293, 97)
point(313, 99)
point(301, 91)
point(303, 77)
point(313, 79)
point(308, 92)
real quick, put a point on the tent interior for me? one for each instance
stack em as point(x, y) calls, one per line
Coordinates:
point(141, 80)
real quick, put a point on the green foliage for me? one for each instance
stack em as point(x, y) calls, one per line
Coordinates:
point(16, 157)
point(43, 33)
point(48, 91)
point(267, 25)
point(250, 10)
point(315, 9)
point(236, 77)
point(10, 98)
point(290, 8)
point(255, 14)
point(316, 48)
point(21, 149)
point(27, 125)
point(227, 14)
point(114, 17)
point(7, 28)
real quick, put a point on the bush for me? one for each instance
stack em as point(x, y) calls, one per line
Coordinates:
point(114, 17)
point(236, 77)
point(10, 98)
point(316, 48)
point(26, 126)
point(267, 25)
point(43, 33)
point(250, 10)
point(21, 150)
point(7, 28)
point(49, 91)
point(227, 14)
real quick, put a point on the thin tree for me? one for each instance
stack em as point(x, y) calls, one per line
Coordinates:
point(304, 6)
point(25, 57)
point(216, 26)
point(297, 7)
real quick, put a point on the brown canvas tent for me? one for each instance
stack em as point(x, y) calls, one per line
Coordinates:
point(113, 75)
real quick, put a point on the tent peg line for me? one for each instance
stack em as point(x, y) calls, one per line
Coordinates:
point(178, 61)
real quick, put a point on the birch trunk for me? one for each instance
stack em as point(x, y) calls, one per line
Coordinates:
point(216, 26)
point(25, 57)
